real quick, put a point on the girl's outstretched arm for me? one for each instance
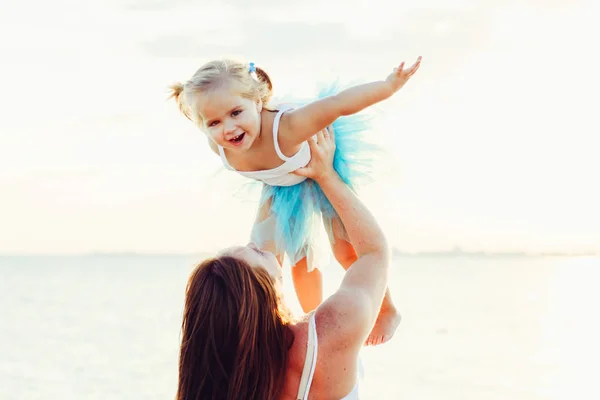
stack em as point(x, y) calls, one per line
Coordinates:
point(300, 124)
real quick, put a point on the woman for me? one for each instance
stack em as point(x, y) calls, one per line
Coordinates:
point(238, 340)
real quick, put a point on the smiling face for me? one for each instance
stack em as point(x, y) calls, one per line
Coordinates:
point(229, 120)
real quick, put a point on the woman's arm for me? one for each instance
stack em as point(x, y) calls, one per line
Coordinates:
point(299, 125)
point(354, 307)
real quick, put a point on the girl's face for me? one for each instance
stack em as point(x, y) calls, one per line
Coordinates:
point(230, 120)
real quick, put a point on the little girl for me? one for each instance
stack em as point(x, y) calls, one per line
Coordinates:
point(229, 101)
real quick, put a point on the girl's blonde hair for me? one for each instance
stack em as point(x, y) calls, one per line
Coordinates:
point(251, 82)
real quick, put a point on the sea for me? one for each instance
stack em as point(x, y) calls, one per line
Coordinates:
point(475, 327)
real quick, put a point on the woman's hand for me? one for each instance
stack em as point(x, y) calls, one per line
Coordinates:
point(322, 149)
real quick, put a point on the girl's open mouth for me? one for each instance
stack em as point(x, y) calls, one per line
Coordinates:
point(238, 139)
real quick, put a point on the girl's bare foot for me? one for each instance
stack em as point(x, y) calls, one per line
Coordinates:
point(385, 326)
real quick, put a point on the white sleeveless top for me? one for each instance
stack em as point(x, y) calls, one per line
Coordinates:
point(281, 175)
point(310, 362)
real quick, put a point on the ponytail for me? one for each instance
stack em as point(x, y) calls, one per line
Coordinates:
point(266, 86)
point(176, 90)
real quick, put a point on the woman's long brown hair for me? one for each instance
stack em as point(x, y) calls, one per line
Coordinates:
point(235, 334)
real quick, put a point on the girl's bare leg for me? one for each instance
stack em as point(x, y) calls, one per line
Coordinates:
point(308, 285)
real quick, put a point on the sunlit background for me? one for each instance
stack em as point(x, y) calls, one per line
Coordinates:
point(491, 148)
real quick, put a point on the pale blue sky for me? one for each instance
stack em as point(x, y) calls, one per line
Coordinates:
point(494, 142)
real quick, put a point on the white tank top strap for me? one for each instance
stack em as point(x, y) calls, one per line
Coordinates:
point(276, 132)
point(224, 159)
point(310, 362)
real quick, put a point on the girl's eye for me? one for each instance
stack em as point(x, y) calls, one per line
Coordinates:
point(236, 113)
point(214, 123)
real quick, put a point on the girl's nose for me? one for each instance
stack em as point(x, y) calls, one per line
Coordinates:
point(229, 127)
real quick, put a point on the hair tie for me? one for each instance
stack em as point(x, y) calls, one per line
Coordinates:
point(252, 68)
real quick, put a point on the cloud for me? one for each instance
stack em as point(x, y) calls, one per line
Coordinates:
point(186, 46)
point(283, 39)
point(361, 37)
point(155, 5)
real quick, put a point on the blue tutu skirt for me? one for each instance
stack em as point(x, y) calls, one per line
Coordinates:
point(295, 211)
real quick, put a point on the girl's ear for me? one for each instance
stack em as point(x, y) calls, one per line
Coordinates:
point(259, 105)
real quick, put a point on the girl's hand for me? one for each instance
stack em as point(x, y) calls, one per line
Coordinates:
point(322, 149)
point(400, 76)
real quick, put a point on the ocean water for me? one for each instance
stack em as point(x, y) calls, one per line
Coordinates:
point(107, 327)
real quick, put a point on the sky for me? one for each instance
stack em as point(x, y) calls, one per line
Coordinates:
point(492, 146)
